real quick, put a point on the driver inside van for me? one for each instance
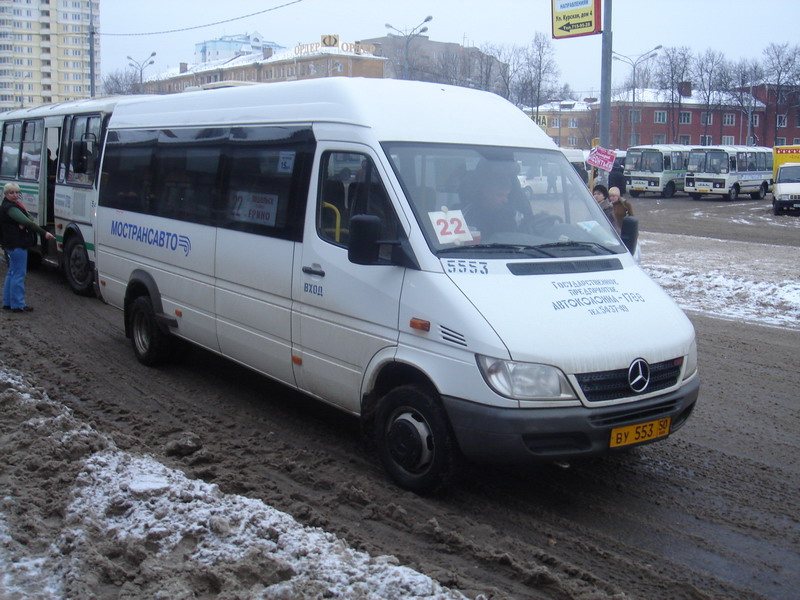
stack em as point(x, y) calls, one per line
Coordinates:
point(490, 198)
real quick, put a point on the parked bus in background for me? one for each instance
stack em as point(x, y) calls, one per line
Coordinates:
point(657, 169)
point(52, 152)
point(729, 171)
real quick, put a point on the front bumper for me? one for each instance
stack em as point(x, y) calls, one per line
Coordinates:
point(489, 434)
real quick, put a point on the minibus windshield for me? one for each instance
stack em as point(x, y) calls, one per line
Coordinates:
point(644, 160)
point(503, 202)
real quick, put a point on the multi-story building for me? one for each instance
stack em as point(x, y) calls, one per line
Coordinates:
point(328, 58)
point(45, 51)
point(686, 117)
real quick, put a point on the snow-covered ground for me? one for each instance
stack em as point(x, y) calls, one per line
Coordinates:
point(185, 537)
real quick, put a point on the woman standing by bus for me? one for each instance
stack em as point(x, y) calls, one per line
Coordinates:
point(16, 227)
point(621, 207)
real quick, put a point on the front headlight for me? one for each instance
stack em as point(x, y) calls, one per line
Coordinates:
point(784, 197)
point(525, 381)
point(691, 361)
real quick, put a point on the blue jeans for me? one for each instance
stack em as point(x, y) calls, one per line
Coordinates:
point(14, 287)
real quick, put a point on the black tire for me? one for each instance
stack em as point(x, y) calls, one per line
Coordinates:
point(695, 195)
point(760, 194)
point(77, 268)
point(776, 211)
point(634, 193)
point(414, 440)
point(150, 345)
point(669, 190)
point(733, 194)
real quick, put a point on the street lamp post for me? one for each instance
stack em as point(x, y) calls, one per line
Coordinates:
point(635, 62)
point(410, 35)
point(141, 66)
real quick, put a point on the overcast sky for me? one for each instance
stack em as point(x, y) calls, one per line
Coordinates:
point(738, 28)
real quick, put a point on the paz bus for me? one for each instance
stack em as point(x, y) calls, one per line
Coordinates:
point(658, 169)
point(729, 171)
point(53, 152)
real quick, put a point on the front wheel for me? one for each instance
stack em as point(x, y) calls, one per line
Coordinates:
point(733, 194)
point(77, 268)
point(669, 190)
point(150, 345)
point(634, 193)
point(414, 440)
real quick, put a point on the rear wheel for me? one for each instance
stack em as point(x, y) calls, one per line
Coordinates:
point(761, 193)
point(414, 440)
point(77, 268)
point(150, 345)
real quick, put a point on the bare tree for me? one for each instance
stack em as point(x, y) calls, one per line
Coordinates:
point(539, 72)
point(782, 66)
point(709, 74)
point(511, 57)
point(672, 72)
point(121, 82)
point(743, 76)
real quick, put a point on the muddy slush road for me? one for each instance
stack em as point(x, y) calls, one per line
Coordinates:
point(710, 513)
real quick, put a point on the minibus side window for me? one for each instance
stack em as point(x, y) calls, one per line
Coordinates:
point(348, 191)
point(12, 136)
point(32, 136)
point(127, 168)
point(82, 149)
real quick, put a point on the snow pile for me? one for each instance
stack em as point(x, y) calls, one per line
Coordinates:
point(744, 281)
point(81, 519)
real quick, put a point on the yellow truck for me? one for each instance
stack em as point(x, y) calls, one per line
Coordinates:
point(786, 178)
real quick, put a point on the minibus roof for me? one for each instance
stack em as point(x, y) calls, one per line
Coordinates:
point(395, 110)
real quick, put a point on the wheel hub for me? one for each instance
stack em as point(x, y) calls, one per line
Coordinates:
point(409, 441)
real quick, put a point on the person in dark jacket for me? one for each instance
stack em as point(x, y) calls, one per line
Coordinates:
point(16, 226)
point(617, 179)
point(600, 193)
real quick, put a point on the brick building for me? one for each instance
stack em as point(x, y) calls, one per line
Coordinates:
point(656, 118)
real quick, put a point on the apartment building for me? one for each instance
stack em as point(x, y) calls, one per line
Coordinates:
point(45, 51)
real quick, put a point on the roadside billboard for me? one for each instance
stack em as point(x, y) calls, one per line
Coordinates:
point(573, 18)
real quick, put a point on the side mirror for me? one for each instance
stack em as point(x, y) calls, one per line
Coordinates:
point(363, 247)
point(630, 233)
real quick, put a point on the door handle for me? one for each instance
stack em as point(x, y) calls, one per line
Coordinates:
point(312, 271)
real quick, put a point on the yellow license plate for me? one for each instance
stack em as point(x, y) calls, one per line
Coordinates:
point(635, 434)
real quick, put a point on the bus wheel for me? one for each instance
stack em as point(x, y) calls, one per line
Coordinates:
point(695, 196)
point(634, 193)
point(150, 345)
point(761, 193)
point(414, 440)
point(733, 194)
point(669, 190)
point(77, 268)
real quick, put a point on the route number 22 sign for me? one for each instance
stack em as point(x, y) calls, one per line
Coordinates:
point(450, 226)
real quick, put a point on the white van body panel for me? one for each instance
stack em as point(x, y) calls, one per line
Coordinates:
point(610, 307)
point(254, 301)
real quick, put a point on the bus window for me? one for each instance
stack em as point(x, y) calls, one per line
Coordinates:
point(12, 136)
point(741, 158)
point(83, 152)
point(32, 136)
point(751, 161)
point(761, 161)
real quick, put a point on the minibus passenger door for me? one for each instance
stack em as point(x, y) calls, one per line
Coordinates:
point(343, 313)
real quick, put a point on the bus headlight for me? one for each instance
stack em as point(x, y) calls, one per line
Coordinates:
point(691, 361)
point(525, 381)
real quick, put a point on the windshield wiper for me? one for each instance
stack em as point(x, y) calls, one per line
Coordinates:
point(575, 244)
point(516, 248)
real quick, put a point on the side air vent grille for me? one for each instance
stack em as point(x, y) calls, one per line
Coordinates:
point(448, 335)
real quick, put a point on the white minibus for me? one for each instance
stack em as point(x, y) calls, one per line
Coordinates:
point(368, 243)
point(729, 171)
point(658, 169)
point(52, 152)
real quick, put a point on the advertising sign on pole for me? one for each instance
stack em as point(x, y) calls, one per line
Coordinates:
point(573, 18)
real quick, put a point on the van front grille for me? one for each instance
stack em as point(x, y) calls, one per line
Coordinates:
point(612, 385)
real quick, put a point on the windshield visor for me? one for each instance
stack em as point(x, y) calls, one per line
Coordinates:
point(511, 201)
